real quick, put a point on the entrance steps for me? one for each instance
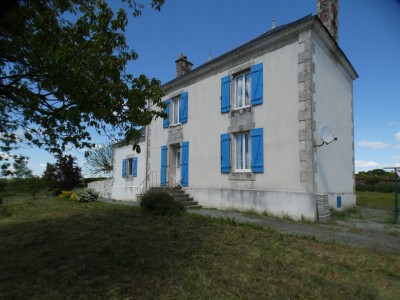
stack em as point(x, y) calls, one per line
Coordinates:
point(179, 195)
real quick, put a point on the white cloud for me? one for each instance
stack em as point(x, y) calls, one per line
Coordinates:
point(373, 144)
point(366, 164)
point(397, 146)
point(398, 136)
point(42, 165)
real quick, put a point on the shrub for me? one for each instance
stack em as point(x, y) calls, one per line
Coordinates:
point(160, 203)
point(87, 195)
point(68, 195)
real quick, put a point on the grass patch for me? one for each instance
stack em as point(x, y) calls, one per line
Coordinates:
point(376, 200)
point(52, 248)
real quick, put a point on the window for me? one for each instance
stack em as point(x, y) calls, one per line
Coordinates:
point(246, 152)
point(243, 90)
point(176, 111)
point(130, 166)
point(242, 152)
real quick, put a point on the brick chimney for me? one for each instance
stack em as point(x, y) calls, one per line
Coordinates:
point(183, 66)
point(327, 11)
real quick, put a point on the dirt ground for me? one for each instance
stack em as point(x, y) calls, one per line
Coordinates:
point(361, 227)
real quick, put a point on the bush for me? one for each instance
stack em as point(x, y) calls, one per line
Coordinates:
point(68, 195)
point(160, 203)
point(379, 187)
point(87, 195)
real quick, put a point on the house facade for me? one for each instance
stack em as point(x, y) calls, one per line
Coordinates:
point(243, 130)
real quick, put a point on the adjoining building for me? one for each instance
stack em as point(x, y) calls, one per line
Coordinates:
point(267, 126)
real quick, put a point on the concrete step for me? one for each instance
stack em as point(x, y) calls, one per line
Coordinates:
point(187, 199)
point(181, 196)
point(194, 207)
point(189, 203)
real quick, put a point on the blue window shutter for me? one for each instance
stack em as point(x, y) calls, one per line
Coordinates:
point(163, 175)
point(124, 168)
point(134, 168)
point(257, 84)
point(225, 153)
point(225, 94)
point(257, 153)
point(166, 110)
point(185, 163)
point(184, 108)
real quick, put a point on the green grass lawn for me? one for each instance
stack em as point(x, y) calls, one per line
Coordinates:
point(55, 249)
point(376, 200)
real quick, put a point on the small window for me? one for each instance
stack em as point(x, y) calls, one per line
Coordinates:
point(242, 90)
point(176, 109)
point(130, 167)
point(242, 152)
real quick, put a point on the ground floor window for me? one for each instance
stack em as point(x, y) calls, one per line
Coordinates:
point(242, 152)
point(130, 166)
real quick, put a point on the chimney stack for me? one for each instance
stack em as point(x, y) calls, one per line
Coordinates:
point(327, 11)
point(183, 66)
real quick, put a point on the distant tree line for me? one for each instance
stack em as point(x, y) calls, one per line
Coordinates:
point(377, 180)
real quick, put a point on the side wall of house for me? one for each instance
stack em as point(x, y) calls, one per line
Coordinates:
point(278, 188)
point(334, 107)
point(126, 188)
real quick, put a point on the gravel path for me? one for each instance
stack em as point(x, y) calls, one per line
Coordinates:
point(360, 232)
point(365, 228)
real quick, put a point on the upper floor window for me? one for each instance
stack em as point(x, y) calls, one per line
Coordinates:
point(243, 90)
point(176, 111)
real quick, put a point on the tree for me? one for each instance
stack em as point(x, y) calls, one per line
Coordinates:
point(63, 73)
point(100, 159)
point(63, 175)
point(18, 167)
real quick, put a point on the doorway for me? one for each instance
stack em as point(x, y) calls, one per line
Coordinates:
point(175, 165)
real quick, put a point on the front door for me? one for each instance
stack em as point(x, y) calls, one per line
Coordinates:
point(178, 173)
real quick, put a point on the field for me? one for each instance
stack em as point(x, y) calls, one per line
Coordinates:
point(56, 249)
point(376, 200)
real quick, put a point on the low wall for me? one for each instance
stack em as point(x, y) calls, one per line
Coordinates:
point(103, 187)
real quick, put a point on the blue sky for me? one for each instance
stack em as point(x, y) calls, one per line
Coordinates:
point(369, 35)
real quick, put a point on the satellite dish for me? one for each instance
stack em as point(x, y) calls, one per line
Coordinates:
point(325, 133)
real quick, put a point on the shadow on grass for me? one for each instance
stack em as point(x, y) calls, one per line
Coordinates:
point(94, 255)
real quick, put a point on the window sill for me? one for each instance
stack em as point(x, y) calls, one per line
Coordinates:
point(175, 127)
point(244, 176)
point(241, 111)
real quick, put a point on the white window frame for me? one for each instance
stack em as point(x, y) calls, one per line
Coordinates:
point(176, 102)
point(242, 168)
point(242, 77)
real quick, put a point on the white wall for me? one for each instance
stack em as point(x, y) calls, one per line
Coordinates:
point(127, 188)
point(278, 116)
point(334, 107)
point(103, 187)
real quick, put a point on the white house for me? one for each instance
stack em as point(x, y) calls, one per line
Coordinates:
point(244, 129)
